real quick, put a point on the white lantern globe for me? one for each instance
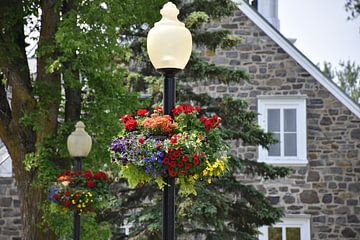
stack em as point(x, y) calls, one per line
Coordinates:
point(169, 42)
point(79, 142)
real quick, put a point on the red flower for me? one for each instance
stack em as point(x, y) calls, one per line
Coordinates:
point(196, 159)
point(158, 109)
point(178, 110)
point(101, 176)
point(67, 193)
point(88, 174)
point(142, 112)
point(67, 203)
point(173, 139)
point(78, 173)
point(57, 196)
point(141, 140)
point(185, 158)
point(90, 184)
point(67, 173)
point(172, 163)
point(197, 108)
point(177, 152)
point(166, 161)
point(187, 166)
point(126, 118)
point(187, 108)
point(202, 119)
point(180, 164)
point(172, 173)
point(182, 172)
point(130, 125)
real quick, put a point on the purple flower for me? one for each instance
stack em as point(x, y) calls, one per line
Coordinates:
point(52, 191)
point(160, 154)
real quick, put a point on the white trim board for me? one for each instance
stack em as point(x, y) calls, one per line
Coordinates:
point(299, 57)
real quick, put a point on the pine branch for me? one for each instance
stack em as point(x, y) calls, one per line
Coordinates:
point(200, 70)
point(213, 8)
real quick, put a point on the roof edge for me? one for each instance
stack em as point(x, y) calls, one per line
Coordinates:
point(298, 56)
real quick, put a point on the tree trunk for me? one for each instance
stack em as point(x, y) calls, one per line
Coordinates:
point(20, 138)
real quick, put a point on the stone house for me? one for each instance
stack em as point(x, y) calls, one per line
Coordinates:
point(318, 127)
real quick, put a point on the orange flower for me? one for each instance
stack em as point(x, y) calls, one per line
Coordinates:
point(163, 123)
point(65, 180)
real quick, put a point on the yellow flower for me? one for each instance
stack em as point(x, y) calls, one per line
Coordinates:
point(196, 176)
point(73, 202)
point(209, 180)
point(79, 205)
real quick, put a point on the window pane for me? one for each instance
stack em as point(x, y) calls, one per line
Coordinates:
point(290, 120)
point(273, 120)
point(290, 144)
point(275, 233)
point(293, 234)
point(275, 148)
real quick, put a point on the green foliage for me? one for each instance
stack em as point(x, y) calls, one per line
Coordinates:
point(353, 6)
point(196, 19)
point(61, 220)
point(200, 70)
point(347, 76)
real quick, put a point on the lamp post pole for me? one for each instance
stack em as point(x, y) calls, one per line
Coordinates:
point(79, 145)
point(78, 163)
point(169, 189)
point(169, 45)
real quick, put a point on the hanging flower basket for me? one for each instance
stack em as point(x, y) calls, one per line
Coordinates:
point(152, 146)
point(82, 191)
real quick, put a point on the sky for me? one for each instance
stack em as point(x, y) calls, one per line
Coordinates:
point(322, 30)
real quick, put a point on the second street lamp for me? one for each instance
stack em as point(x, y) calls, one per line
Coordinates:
point(169, 45)
point(79, 145)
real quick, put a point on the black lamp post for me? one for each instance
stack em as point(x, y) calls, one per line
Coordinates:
point(169, 46)
point(79, 146)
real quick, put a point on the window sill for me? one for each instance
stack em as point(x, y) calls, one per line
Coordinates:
point(286, 163)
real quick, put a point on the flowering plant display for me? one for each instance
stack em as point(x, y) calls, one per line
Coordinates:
point(154, 145)
point(83, 191)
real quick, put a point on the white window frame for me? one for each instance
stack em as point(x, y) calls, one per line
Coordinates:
point(5, 162)
point(280, 102)
point(290, 221)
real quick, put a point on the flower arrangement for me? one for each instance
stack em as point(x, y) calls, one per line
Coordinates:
point(154, 145)
point(83, 191)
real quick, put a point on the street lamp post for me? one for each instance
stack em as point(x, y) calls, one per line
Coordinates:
point(79, 146)
point(169, 46)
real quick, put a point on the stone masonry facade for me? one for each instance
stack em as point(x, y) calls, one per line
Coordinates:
point(328, 187)
point(10, 218)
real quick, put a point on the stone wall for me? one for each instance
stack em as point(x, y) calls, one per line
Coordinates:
point(328, 187)
point(10, 219)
